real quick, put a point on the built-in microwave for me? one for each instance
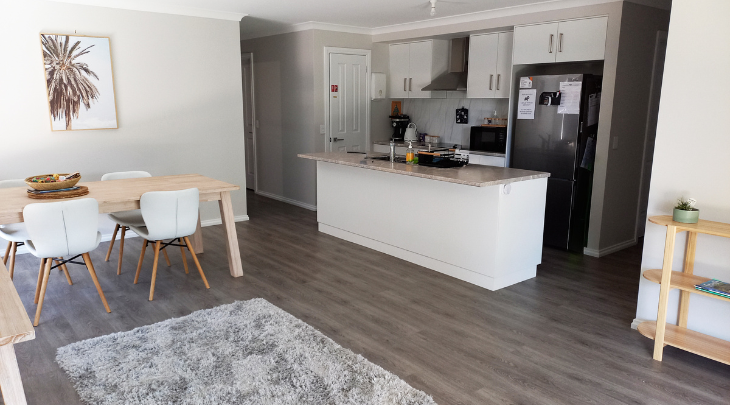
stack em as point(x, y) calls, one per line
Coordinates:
point(491, 139)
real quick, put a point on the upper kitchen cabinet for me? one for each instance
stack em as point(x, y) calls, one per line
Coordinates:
point(563, 41)
point(490, 65)
point(414, 65)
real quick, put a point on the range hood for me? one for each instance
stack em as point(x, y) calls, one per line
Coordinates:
point(455, 78)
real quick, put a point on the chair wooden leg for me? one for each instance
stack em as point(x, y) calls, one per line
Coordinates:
point(46, 273)
point(40, 281)
point(154, 269)
point(185, 259)
point(7, 252)
point(64, 269)
point(90, 266)
point(11, 266)
point(121, 250)
point(167, 258)
point(111, 244)
point(197, 263)
point(141, 259)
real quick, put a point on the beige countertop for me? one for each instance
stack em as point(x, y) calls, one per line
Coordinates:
point(424, 146)
point(471, 175)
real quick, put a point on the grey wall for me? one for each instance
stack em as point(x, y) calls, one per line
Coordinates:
point(639, 27)
point(289, 82)
point(178, 95)
point(691, 158)
point(284, 83)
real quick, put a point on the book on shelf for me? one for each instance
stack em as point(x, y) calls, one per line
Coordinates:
point(716, 287)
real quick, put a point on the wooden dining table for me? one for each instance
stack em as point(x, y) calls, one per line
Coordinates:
point(124, 195)
point(15, 327)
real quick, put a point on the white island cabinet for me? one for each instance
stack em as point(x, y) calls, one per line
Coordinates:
point(479, 224)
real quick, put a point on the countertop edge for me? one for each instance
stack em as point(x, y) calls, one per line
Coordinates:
point(426, 176)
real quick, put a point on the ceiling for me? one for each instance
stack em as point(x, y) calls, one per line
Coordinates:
point(263, 17)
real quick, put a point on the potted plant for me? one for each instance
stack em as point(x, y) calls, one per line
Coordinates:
point(685, 212)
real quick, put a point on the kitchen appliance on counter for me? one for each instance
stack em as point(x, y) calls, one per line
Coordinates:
point(399, 124)
point(411, 134)
point(488, 138)
point(560, 138)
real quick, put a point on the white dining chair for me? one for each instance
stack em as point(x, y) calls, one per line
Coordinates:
point(124, 219)
point(169, 215)
point(62, 229)
point(16, 235)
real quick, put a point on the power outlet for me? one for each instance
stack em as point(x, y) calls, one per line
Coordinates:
point(322, 129)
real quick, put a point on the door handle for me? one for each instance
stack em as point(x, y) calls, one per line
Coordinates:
point(336, 139)
point(550, 49)
point(491, 80)
point(560, 43)
point(410, 84)
point(405, 81)
point(498, 77)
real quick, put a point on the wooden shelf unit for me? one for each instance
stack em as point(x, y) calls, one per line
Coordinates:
point(678, 335)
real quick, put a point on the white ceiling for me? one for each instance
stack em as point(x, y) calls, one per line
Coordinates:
point(264, 17)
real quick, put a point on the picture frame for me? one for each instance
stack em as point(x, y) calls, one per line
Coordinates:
point(396, 108)
point(79, 76)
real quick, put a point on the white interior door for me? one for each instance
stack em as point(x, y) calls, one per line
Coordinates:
point(248, 118)
point(348, 101)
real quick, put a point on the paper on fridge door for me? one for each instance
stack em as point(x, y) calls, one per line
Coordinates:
point(594, 107)
point(526, 104)
point(570, 97)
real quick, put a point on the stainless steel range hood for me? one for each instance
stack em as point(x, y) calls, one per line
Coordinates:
point(455, 78)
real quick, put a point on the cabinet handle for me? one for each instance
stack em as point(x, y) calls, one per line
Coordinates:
point(491, 80)
point(498, 77)
point(560, 43)
point(550, 48)
point(405, 81)
point(410, 84)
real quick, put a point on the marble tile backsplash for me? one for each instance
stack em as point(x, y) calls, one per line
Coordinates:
point(438, 116)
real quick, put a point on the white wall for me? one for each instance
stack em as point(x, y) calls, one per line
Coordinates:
point(178, 94)
point(691, 157)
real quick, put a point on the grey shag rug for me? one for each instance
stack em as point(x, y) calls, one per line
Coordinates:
point(248, 352)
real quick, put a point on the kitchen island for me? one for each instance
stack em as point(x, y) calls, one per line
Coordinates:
point(480, 224)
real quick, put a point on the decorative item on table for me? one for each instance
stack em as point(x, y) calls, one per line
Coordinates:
point(685, 212)
point(46, 182)
point(462, 115)
point(79, 73)
point(716, 287)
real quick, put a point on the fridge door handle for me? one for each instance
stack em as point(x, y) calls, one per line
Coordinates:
point(550, 44)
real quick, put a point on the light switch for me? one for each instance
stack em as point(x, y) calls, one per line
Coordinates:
point(322, 129)
point(615, 143)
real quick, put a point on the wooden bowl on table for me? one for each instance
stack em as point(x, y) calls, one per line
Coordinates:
point(51, 185)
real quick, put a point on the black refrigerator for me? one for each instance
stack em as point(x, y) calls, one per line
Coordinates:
point(555, 132)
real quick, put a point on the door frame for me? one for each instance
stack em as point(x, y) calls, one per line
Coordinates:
point(328, 51)
point(253, 123)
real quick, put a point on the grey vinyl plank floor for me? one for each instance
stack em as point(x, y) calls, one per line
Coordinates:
point(561, 338)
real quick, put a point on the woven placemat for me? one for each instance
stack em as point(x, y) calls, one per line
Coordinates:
point(83, 190)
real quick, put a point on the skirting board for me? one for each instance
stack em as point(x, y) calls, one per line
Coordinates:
point(469, 276)
point(610, 249)
point(108, 236)
point(636, 322)
point(287, 200)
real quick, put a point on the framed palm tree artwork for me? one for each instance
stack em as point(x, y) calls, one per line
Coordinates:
point(79, 82)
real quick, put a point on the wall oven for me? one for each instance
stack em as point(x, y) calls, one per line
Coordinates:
point(492, 139)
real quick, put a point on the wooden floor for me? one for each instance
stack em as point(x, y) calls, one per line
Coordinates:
point(561, 338)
